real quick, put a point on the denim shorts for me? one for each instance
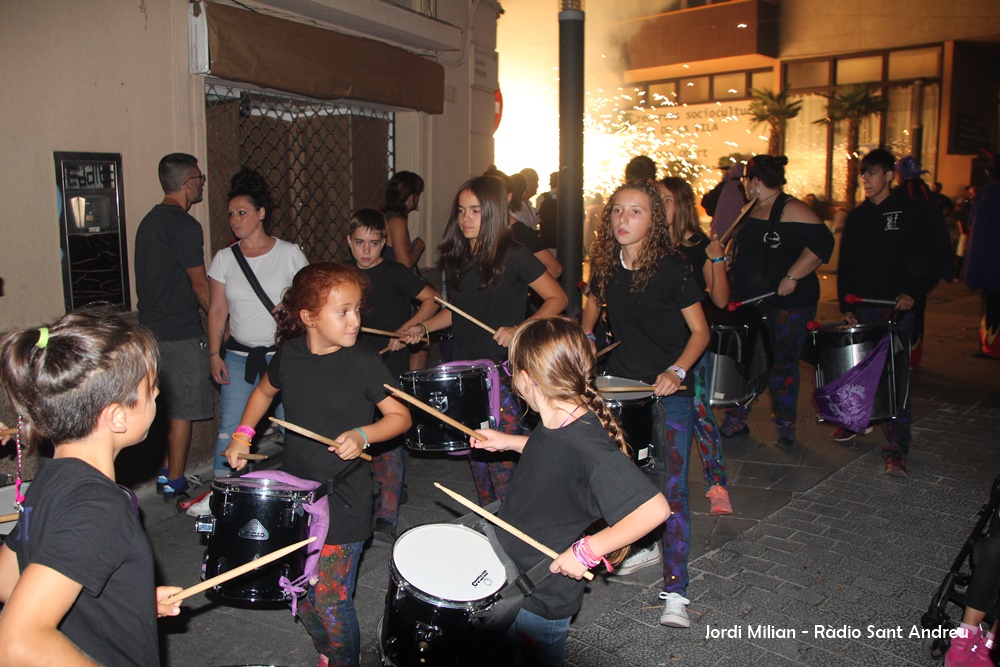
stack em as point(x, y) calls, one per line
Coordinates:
point(185, 380)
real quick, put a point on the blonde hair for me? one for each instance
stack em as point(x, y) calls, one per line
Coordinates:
point(557, 356)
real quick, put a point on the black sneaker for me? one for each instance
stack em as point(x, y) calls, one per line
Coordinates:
point(384, 535)
point(177, 489)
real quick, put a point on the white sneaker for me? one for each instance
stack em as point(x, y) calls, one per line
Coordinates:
point(201, 507)
point(640, 559)
point(674, 613)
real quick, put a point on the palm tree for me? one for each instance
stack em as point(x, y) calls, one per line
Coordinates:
point(852, 103)
point(775, 110)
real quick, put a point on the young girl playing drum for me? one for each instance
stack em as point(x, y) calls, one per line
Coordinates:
point(488, 276)
point(331, 387)
point(571, 473)
point(708, 262)
point(654, 306)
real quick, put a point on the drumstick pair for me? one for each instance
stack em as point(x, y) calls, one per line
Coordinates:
point(388, 334)
point(315, 436)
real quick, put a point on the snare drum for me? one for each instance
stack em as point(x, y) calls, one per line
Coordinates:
point(634, 410)
point(461, 392)
point(838, 350)
point(739, 356)
point(441, 576)
point(251, 518)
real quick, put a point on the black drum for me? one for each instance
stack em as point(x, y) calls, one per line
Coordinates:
point(634, 410)
point(441, 576)
point(739, 355)
point(461, 392)
point(251, 518)
point(838, 350)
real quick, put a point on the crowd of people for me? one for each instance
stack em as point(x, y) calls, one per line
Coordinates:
point(276, 323)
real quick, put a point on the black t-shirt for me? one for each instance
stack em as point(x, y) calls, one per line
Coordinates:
point(329, 394)
point(168, 242)
point(387, 306)
point(790, 239)
point(565, 480)
point(697, 255)
point(81, 524)
point(650, 323)
point(528, 237)
point(887, 250)
point(502, 305)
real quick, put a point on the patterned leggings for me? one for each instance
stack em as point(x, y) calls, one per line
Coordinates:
point(706, 431)
point(673, 438)
point(788, 329)
point(327, 610)
point(492, 472)
point(390, 467)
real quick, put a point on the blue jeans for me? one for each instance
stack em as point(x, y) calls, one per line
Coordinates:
point(674, 428)
point(542, 641)
point(233, 399)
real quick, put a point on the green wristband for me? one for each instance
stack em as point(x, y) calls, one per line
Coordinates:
point(363, 435)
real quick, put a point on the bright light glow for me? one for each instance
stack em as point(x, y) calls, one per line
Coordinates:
point(741, 25)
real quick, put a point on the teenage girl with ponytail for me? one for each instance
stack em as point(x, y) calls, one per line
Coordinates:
point(574, 470)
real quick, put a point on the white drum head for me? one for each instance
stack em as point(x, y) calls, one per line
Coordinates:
point(449, 562)
point(642, 389)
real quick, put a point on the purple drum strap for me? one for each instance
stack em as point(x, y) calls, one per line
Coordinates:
point(319, 525)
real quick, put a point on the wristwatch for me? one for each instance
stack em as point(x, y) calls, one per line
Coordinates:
point(679, 372)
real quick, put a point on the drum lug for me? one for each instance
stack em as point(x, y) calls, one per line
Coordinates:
point(205, 524)
point(493, 422)
point(438, 401)
point(425, 635)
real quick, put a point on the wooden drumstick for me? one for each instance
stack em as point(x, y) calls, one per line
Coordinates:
point(608, 349)
point(384, 350)
point(492, 518)
point(8, 431)
point(398, 393)
point(464, 314)
point(251, 457)
point(315, 436)
point(235, 572)
point(4, 518)
point(623, 390)
point(380, 332)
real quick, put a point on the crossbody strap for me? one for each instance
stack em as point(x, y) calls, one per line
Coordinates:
point(252, 279)
point(772, 222)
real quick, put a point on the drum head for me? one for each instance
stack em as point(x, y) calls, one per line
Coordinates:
point(443, 373)
point(257, 487)
point(449, 562)
point(643, 390)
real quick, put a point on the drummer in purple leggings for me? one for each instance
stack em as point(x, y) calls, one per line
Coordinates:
point(488, 275)
point(776, 251)
point(886, 254)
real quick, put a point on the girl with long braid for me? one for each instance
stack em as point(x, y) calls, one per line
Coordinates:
point(574, 470)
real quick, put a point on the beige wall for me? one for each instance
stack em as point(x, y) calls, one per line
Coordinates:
point(822, 27)
point(97, 76)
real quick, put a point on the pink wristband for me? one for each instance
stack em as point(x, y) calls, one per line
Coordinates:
point(582, 548)
point(246, 430)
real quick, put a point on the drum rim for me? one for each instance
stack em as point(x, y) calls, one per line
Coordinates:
point(262, 487)
point(647, 391)
point(444, 372)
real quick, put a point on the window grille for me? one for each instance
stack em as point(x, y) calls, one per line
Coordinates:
point(322, 159)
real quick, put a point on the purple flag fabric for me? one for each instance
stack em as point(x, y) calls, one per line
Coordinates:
point(731, 202)
point(848, 400)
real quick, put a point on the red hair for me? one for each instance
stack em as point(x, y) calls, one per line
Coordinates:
point(309, 291)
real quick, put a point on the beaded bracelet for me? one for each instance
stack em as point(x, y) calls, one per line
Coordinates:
point(363, 435)
point(246, 430)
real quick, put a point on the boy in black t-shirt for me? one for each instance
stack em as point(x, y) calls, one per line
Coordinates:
point(392, 288)
point(78, 583)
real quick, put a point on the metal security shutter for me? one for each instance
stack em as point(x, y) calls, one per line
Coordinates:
point(322, 159)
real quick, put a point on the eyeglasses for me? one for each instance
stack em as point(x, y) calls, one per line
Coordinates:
point(507, 368)
point(200, 177)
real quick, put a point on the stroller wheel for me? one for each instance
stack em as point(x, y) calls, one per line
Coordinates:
point(934, 649)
